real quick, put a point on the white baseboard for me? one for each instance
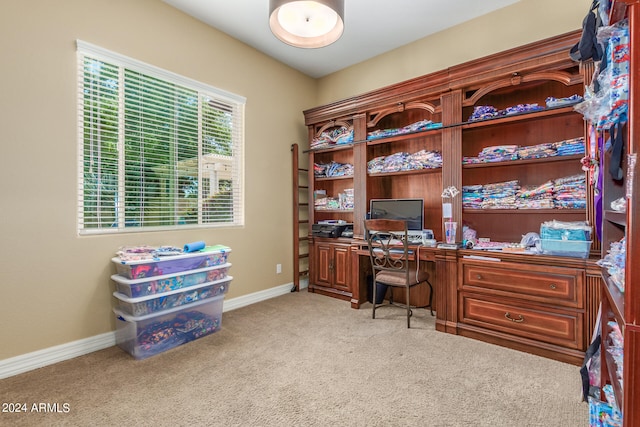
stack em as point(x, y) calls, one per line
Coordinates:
point(48, 356)
point(243, 301)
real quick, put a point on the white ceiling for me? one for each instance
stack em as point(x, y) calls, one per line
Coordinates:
point(372, 27)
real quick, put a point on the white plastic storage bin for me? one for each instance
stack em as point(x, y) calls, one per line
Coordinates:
point(159, 302)
point(135, 288)
point(568, 248)
point(145, 336)
point(136, 269)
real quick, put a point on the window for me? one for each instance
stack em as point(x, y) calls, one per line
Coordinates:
point(157, 151)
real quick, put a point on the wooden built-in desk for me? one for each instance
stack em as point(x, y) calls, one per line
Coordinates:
point(441, 265)
point(535, 303)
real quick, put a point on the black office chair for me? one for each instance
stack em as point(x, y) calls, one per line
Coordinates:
point(390, 262)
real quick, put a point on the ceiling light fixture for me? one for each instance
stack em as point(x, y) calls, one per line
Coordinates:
point(307, 24)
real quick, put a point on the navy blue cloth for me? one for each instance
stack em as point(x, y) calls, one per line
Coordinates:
point(588, 46)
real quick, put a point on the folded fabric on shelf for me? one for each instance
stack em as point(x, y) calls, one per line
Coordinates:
point(402, 161)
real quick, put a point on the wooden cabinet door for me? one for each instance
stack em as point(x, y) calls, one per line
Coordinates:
point(341, 270)
point(324, 264)
point(332, 266)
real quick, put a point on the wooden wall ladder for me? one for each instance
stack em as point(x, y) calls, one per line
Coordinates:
point(300, 220)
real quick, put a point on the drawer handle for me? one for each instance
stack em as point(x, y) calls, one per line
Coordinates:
point(552, 286)
point(479, 276)
point(520, 318)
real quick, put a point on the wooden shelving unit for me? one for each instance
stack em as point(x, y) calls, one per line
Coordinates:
point(525, 75)
point(623, 308)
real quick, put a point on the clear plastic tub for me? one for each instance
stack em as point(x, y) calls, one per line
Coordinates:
point(154, 303)
point(146, 336)
point(568, 248)
point(134, 288)
point(136, 269)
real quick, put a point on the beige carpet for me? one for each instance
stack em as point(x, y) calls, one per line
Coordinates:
point(307, 360)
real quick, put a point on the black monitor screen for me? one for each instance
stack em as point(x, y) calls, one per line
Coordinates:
point(410, 210)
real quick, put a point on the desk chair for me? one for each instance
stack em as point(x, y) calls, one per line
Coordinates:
point(390, 260)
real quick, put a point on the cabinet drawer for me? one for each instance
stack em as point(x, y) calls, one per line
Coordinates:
point(562, 328)
point(551, 285)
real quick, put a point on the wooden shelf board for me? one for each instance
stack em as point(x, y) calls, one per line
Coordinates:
point(468, 211)
point(523, 161)
point(615, 217)
point(333, 178)
point(409, 172)
point(404, 136)
point(615, 298)
point(334, 210)
point(532, 115)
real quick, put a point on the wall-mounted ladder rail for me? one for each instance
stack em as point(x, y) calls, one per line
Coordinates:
point(300, 222)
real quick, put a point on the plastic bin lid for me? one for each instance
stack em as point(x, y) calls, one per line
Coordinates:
point(121, 279)
point(130, 318)
point(208, 250)
point(123, 297)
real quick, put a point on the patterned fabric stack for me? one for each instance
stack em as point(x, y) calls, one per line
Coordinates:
point(537, 151)
point(337, 136)
point(501, 195)
point(504, 153)
point(332, 169)
point(540, 197)
point(562, 193)
point(414, 127)
point(570, 147)
point(472, 196)
point(397, 162)
point(570, 192)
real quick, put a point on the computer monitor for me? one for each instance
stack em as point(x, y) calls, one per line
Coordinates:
point(410, 210)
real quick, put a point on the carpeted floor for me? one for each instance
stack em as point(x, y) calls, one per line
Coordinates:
point(306, 360)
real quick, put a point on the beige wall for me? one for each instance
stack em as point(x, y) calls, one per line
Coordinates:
point(55, 286)
point(523, 22)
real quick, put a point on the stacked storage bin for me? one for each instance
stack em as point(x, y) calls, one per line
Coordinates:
point(167, 301)
point(561, 238)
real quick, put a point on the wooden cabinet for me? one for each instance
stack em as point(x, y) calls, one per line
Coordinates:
point(328, 192)
point(332, 261)
point(509, 163)
point(536, 308)
point(512, 216)
point(332, 178)
point(620, 364)
point(387, 123)
point(507, 140)
point(331, 268)
point(407, 164)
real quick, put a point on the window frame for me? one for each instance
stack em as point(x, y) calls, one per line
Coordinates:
point(214, 95)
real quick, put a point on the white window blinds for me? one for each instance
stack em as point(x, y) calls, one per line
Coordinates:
point(157, 150)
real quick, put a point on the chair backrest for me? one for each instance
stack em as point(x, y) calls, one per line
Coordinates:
point(388, 244)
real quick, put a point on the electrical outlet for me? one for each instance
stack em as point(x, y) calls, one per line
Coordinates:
point(278, 268)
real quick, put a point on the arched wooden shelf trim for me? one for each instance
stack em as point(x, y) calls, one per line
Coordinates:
point(563, 77)
point(398, 108)
point(333, 124)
